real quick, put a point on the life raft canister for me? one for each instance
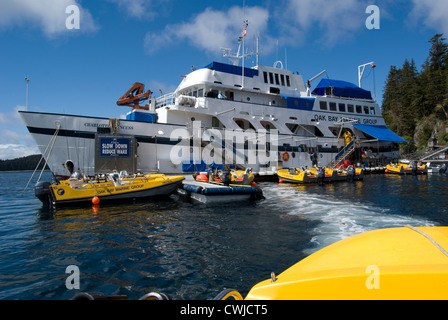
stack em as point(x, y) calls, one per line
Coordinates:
point(285, 156)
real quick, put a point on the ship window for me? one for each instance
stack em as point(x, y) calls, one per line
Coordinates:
point(200, 92)
point(333, 106)
point(267, 125)
point(265, 75)
point(277, 81)
point(372, 111)
point(293, 118)
point(288, 82)
point(271, 77)
point(350, 108)
point(366, 110)
point(341, 107)
point(244, 124)
point(323, 105)
point(274, 90)
point(216, 123)
point(304, 130)
point(282, 78)
point(358, 109)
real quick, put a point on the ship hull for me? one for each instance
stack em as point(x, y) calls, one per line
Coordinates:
point(164, 148)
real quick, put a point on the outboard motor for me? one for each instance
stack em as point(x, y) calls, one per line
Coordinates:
point(225, 177)
point(320, 175)
point(42, 192)
point(443, 168)
point(414, 167)
point(350, 173)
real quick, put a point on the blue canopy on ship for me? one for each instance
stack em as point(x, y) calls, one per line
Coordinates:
point(381, 133)
point(342, 89)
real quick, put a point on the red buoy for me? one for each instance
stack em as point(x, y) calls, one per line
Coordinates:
point(95, 200)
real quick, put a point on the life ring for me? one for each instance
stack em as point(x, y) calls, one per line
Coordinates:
point(285, 156)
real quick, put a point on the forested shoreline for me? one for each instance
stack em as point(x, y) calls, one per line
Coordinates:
point(23, 163)
point(415, 101)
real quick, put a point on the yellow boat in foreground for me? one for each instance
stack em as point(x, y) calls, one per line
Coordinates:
point(113, 187)
point(398, 263)
point(405, 263)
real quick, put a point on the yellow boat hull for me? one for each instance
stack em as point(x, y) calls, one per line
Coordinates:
point(311, 175)
point(66, 192)
point(399, 263)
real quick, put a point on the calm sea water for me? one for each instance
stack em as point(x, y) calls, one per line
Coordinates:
point(191, 250)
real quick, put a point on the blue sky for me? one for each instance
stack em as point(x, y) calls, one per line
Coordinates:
point(84, 71)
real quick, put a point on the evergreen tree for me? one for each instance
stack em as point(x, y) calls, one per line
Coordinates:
point(412, 98)
point(434, 76)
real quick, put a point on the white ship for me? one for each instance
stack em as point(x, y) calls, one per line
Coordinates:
point(269, 119)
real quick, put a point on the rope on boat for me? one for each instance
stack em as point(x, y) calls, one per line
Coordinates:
point(52, 141)
point(430, 239)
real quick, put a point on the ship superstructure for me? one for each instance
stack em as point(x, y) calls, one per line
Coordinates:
point(260, 117)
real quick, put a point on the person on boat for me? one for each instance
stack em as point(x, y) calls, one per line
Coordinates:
point(221, 95)
point(210, 94)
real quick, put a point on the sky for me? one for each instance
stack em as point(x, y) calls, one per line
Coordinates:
point(80, 56)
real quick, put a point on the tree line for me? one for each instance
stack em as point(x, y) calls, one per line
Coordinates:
point(24, 163)
point(415, 102)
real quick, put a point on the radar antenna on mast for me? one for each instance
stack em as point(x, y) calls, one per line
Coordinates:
point(235, 59)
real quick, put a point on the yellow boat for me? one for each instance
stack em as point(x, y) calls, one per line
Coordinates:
point(406, 167)
point(407, 263)
point(113, 187)
point(244, 177)
point(398, 263)
point(311, 175)
point(316, 175)
point(350, 173)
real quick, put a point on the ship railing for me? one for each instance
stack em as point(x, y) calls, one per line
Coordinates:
point(172, 99)
point(165, 100)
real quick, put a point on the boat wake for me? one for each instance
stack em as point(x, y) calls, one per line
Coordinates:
point(336, 218)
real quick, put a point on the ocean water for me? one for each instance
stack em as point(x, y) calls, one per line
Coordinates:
point(190, 250)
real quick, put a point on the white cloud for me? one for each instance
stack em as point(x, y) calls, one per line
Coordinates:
point(15, 141)
point(48, 15)
point(135, 8)
point(330, 20)
point(209, 30)
point(433, 14)
point(13, 151)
